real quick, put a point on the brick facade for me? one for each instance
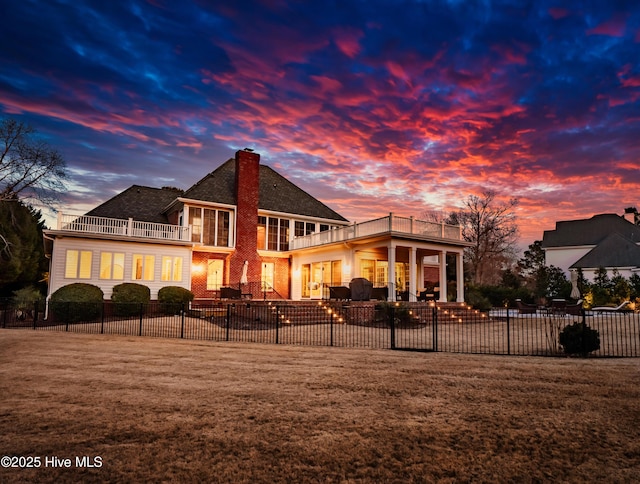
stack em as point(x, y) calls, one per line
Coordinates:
point(247, 198)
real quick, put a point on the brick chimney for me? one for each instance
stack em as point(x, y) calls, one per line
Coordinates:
point(247, 197)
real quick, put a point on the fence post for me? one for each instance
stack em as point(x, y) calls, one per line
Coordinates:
point(434, 312)
point(392, 324)
point(277, 324)
point(228, 322)
point(140, 334)
point(102, 319)
point(182, 323)
point(35, 312)
point(331, 329)
point(67, 326)
point(508, 332)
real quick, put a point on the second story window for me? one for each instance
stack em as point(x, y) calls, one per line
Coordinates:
point(210, 226)
point(273, 233)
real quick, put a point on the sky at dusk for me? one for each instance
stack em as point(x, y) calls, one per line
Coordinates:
point(370, 106)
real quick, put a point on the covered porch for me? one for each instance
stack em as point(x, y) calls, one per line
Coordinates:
point(409, 269)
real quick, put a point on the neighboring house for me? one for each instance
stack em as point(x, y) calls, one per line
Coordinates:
point(247, 227)
point(605, 240)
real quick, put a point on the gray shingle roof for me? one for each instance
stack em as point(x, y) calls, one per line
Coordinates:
point(614, 251)
point(138, 202)
point(276, 193)
point(590, 231)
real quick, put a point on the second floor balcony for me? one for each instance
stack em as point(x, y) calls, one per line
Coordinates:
point(390, 225)
point(122, 228)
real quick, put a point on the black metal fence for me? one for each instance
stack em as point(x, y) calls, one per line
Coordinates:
point(407, 326)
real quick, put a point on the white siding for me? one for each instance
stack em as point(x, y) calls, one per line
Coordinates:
point(57, 270)
point(565, 257)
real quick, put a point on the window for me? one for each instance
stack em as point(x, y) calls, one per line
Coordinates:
point(284, 234)
point(324, 227)
point(262, 232)
point(210, 227)
point(78, 264)
point(143, 267)
point(214, 274)
point(112, 265)
point(224, 222)
point(273, 233)
point(195, 220)
point(267, 278)
point(304, 228)
point(171, 268)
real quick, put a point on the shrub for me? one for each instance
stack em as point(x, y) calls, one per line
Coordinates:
point(128, 297)
point(77, 302)
point(579, 338)
point(26, 297)
point(401, 313)
point(174, 298)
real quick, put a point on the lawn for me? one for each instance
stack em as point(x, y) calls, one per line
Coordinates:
point(175, 410)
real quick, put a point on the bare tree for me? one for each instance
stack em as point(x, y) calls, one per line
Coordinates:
point(29, 167)
point(491, 227)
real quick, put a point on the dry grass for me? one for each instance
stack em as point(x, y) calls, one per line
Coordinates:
point(174, 410)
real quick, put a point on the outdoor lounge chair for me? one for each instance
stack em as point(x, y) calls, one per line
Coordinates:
point(618, 309)
point(526, 308)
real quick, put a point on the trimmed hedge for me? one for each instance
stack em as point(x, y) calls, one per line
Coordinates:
point(77, 302)
point(128, 297)
point(174, 298)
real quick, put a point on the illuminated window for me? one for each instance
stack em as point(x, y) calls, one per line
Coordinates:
point(214, 274)
point(78, 264)
point(143, 267)
point(171, 269)
point(262, 232)
point(112, 265)
point(267, 277)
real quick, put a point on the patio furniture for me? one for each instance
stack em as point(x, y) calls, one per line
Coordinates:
point(425, 296)
point(574, 309)
point(558, 306)
point(380, 293)
point(230, 293)
point(360, 289)
point(606, 309)
point(339, 293)
point(526, 308)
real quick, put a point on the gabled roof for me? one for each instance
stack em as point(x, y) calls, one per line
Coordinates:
point(138, 202)
point(614, 251)
point(276, 193)
point(590, 231)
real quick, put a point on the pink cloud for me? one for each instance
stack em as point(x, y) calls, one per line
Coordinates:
point(558, 13)
point(614, 27)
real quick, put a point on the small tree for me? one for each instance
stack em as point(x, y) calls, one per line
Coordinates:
point(579, 339)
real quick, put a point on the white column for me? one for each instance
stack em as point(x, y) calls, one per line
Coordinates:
point(413, 286)
point(460, 277)
point(443, 276)
point(391, 261)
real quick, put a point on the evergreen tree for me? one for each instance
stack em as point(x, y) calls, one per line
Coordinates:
point(22, 260)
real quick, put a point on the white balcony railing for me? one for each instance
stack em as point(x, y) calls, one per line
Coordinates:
point(391, 223)
point(122, 227)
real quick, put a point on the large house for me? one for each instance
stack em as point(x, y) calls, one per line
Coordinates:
point(244, 226)
point(606, 240)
